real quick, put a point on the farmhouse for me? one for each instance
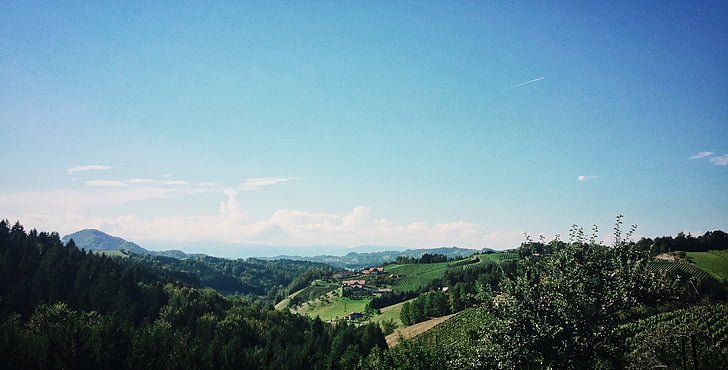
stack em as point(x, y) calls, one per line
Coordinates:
point(373, 271)
point(354, 315)
point(356, 284)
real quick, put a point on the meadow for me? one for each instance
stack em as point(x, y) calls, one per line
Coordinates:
point(714, 262)
point(331, 307)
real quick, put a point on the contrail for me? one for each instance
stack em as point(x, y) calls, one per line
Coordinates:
point(528, 82)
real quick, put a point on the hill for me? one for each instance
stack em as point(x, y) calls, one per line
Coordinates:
point(261, 281)
point(356, 260)
point(94, 240)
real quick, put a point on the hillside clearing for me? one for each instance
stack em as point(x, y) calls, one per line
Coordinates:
point(331, 307)
point(390, 313)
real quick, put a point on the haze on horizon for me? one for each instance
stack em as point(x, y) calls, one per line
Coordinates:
point(400, 124)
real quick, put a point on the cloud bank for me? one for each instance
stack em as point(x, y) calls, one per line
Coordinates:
point(232, 224)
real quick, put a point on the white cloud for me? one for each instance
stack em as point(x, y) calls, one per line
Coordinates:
point(253, 183)
point(88, 168)
point(720, 160)
point(230, 211)
point(105, 183)
point(72, 201)
point(71, 211)
point(587, 177)
point(701, 155)
point(159, 182)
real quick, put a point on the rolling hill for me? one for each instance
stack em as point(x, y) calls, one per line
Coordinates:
point(356, 260)
point(98, 241)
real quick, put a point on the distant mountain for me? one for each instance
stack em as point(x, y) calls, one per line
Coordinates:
point(354, 260)
point(99, 241)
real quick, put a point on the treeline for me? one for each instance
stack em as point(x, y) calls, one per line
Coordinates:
point(36, 268)
point(425, 258)
point(432, 304)
point(711, 240)
point(61, 307)
point(263, 281)
point(390, 298)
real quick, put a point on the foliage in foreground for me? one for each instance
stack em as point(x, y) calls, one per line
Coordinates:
point(567, 308)
point(696, 337)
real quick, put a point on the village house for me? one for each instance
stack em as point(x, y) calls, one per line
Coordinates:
point(355, 315)
point(373, 271)
point(356, 284)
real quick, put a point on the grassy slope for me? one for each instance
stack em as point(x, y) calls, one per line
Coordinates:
point(332, 307)
point(714, 262)
point(415, 276)
point(283, 304)
point(390, 313)
point(114, 253)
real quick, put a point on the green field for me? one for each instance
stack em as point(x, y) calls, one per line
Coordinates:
point(714, 262)
point(114, 253)
point(390, 313)
point(498, 257)
point(331, 307)
point(415, 276)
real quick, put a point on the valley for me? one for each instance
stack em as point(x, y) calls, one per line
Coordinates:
point(426, 311)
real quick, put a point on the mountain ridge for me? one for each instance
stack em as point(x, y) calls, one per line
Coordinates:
point(352, 258)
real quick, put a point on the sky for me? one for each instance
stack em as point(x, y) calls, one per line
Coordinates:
point(397, 123)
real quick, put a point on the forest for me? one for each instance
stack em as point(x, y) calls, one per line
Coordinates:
point(550, 304)
point(261, 281)
point(62, 307)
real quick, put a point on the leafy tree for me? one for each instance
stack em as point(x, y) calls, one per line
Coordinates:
point(563, 308)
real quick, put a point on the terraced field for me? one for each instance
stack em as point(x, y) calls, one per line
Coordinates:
point(665, 266)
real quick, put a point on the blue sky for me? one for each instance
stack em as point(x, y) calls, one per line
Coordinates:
point(347, 123)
